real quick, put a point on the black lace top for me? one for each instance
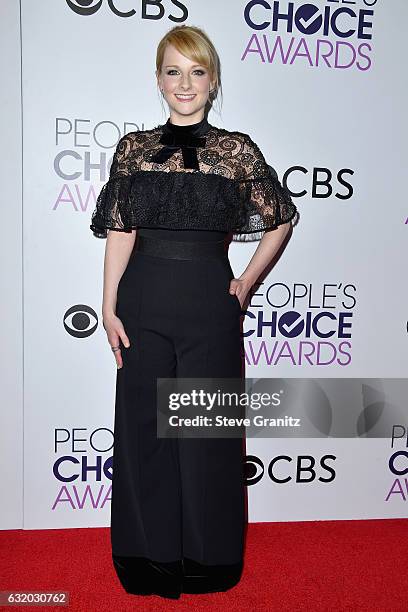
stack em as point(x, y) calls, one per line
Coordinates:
point(191, 177)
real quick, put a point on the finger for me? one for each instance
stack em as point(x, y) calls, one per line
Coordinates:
point(115, 344)
point(232, 287)
point(118, 357)
point(124, 338)
point(117, 354)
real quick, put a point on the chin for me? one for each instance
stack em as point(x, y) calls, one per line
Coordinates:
point(185, 111)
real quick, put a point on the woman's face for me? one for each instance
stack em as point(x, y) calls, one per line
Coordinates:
point(180, 75)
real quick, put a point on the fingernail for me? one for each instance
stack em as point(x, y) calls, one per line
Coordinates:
point(119, 367)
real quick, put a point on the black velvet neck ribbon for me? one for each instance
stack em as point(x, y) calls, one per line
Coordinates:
point(185, 137)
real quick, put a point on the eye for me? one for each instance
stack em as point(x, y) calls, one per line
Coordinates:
point(199, 70)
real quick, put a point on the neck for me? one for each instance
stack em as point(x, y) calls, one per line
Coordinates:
point(198, 128)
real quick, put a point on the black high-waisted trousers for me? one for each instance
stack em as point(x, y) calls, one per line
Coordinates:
point(177, 508)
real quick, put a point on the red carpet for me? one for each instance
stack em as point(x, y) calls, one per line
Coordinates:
point(313, 566)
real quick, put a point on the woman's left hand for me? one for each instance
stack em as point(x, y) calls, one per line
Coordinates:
point(240, 288)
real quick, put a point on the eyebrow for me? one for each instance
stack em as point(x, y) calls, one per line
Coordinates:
point(175, 66)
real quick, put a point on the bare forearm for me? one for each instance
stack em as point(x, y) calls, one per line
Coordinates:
point(265, 252)
point(119, 246)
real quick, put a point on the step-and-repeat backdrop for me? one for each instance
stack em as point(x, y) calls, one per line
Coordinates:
point(321, 88)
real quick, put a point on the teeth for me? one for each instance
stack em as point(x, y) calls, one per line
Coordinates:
point(184, 96)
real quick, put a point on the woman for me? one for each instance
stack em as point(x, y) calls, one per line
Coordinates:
point(171, 308)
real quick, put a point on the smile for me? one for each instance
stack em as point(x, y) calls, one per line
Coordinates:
point(184, 97)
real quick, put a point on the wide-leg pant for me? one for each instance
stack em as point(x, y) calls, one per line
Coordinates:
point(177, 509)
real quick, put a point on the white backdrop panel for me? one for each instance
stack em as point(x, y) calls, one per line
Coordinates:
point(89, 79)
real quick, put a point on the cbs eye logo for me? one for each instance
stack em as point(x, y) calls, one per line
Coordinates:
point(85, 8)
point(80, 321)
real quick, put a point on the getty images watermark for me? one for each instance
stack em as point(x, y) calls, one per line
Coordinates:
point(280, 407)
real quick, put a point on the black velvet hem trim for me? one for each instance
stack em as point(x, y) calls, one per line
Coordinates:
point(143, 576)
point(201, 578)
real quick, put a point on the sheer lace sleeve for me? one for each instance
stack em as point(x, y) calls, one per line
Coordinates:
point(112, 204)
point(264, 202)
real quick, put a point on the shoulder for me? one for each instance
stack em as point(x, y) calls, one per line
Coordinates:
point(242, 139)
point(241, 147)
point(132, 141)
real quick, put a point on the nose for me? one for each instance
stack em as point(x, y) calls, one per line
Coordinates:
point(185, 82)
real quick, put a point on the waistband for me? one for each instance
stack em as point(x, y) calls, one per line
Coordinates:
point(174, 249)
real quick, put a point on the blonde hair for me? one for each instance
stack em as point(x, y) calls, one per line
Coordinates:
point(194, 43)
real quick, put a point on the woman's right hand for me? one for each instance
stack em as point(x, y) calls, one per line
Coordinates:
point(115, 331)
